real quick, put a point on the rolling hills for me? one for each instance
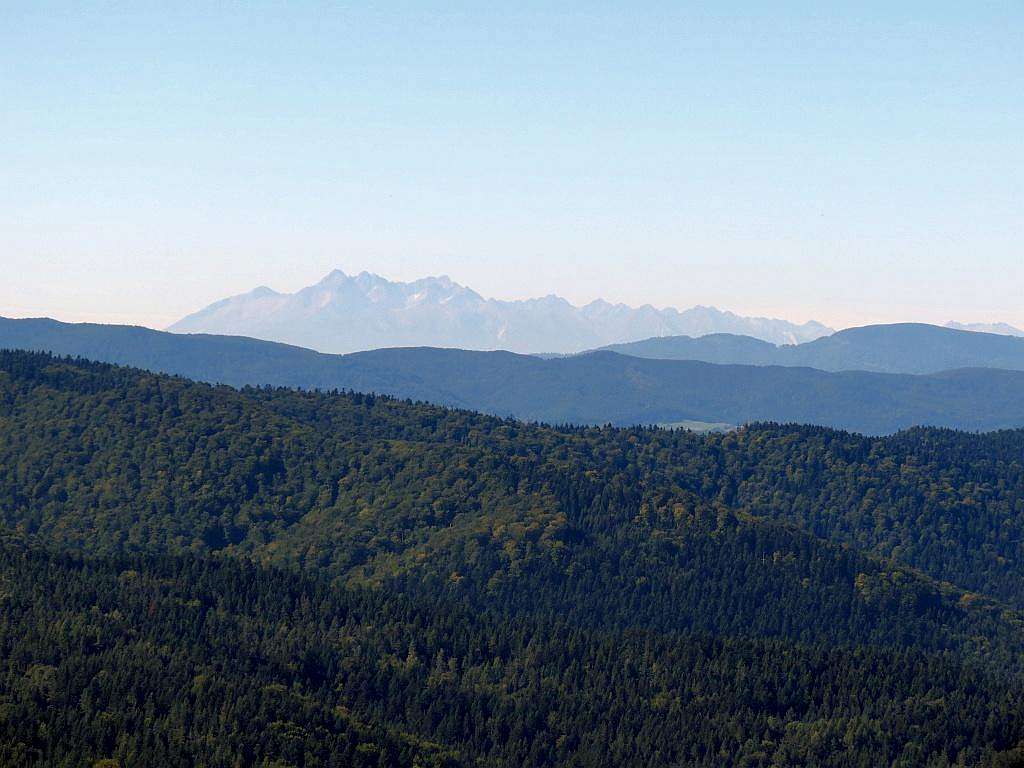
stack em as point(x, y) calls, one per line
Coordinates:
point(602, 387)
point(901, 348)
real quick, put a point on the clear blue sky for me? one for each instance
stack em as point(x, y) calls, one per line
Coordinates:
point(851, 165)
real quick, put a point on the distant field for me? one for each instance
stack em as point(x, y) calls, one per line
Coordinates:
point(699, 426)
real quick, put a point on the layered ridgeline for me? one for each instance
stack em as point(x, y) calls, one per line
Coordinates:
point(201, 575)
point(900, 348)
point(346, 313)
point(595, 388)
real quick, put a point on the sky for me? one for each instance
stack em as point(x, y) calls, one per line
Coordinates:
point(852, 164)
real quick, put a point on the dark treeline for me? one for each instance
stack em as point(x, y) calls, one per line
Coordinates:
point(288, 578)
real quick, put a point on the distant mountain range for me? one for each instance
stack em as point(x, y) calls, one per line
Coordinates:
point(601, 387)
point(899, 348)
point(344, 313)
point(1003, 329)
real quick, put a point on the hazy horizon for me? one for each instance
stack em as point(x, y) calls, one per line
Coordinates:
point(163, 322)
point(844, 165)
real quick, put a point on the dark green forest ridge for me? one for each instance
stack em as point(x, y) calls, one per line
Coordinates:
point(198, 575)
point(597, 388)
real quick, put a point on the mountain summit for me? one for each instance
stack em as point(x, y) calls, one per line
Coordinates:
point(346, 313)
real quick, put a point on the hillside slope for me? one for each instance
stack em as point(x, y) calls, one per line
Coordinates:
point(595, 388)
point(401, 582)
point(901, 348)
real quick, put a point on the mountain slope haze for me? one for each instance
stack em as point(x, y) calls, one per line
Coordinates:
point(597, 388)
point(897, 348)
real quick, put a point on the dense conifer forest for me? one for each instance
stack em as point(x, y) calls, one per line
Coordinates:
point(204, 576)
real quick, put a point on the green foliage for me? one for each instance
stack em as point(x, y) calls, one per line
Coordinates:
point(185, 661)
point(277, 577)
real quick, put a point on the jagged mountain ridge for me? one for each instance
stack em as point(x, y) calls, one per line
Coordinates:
point(344, 313)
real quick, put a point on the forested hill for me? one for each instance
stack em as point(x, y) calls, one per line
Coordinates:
point(198, 575)
point(596, 388)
